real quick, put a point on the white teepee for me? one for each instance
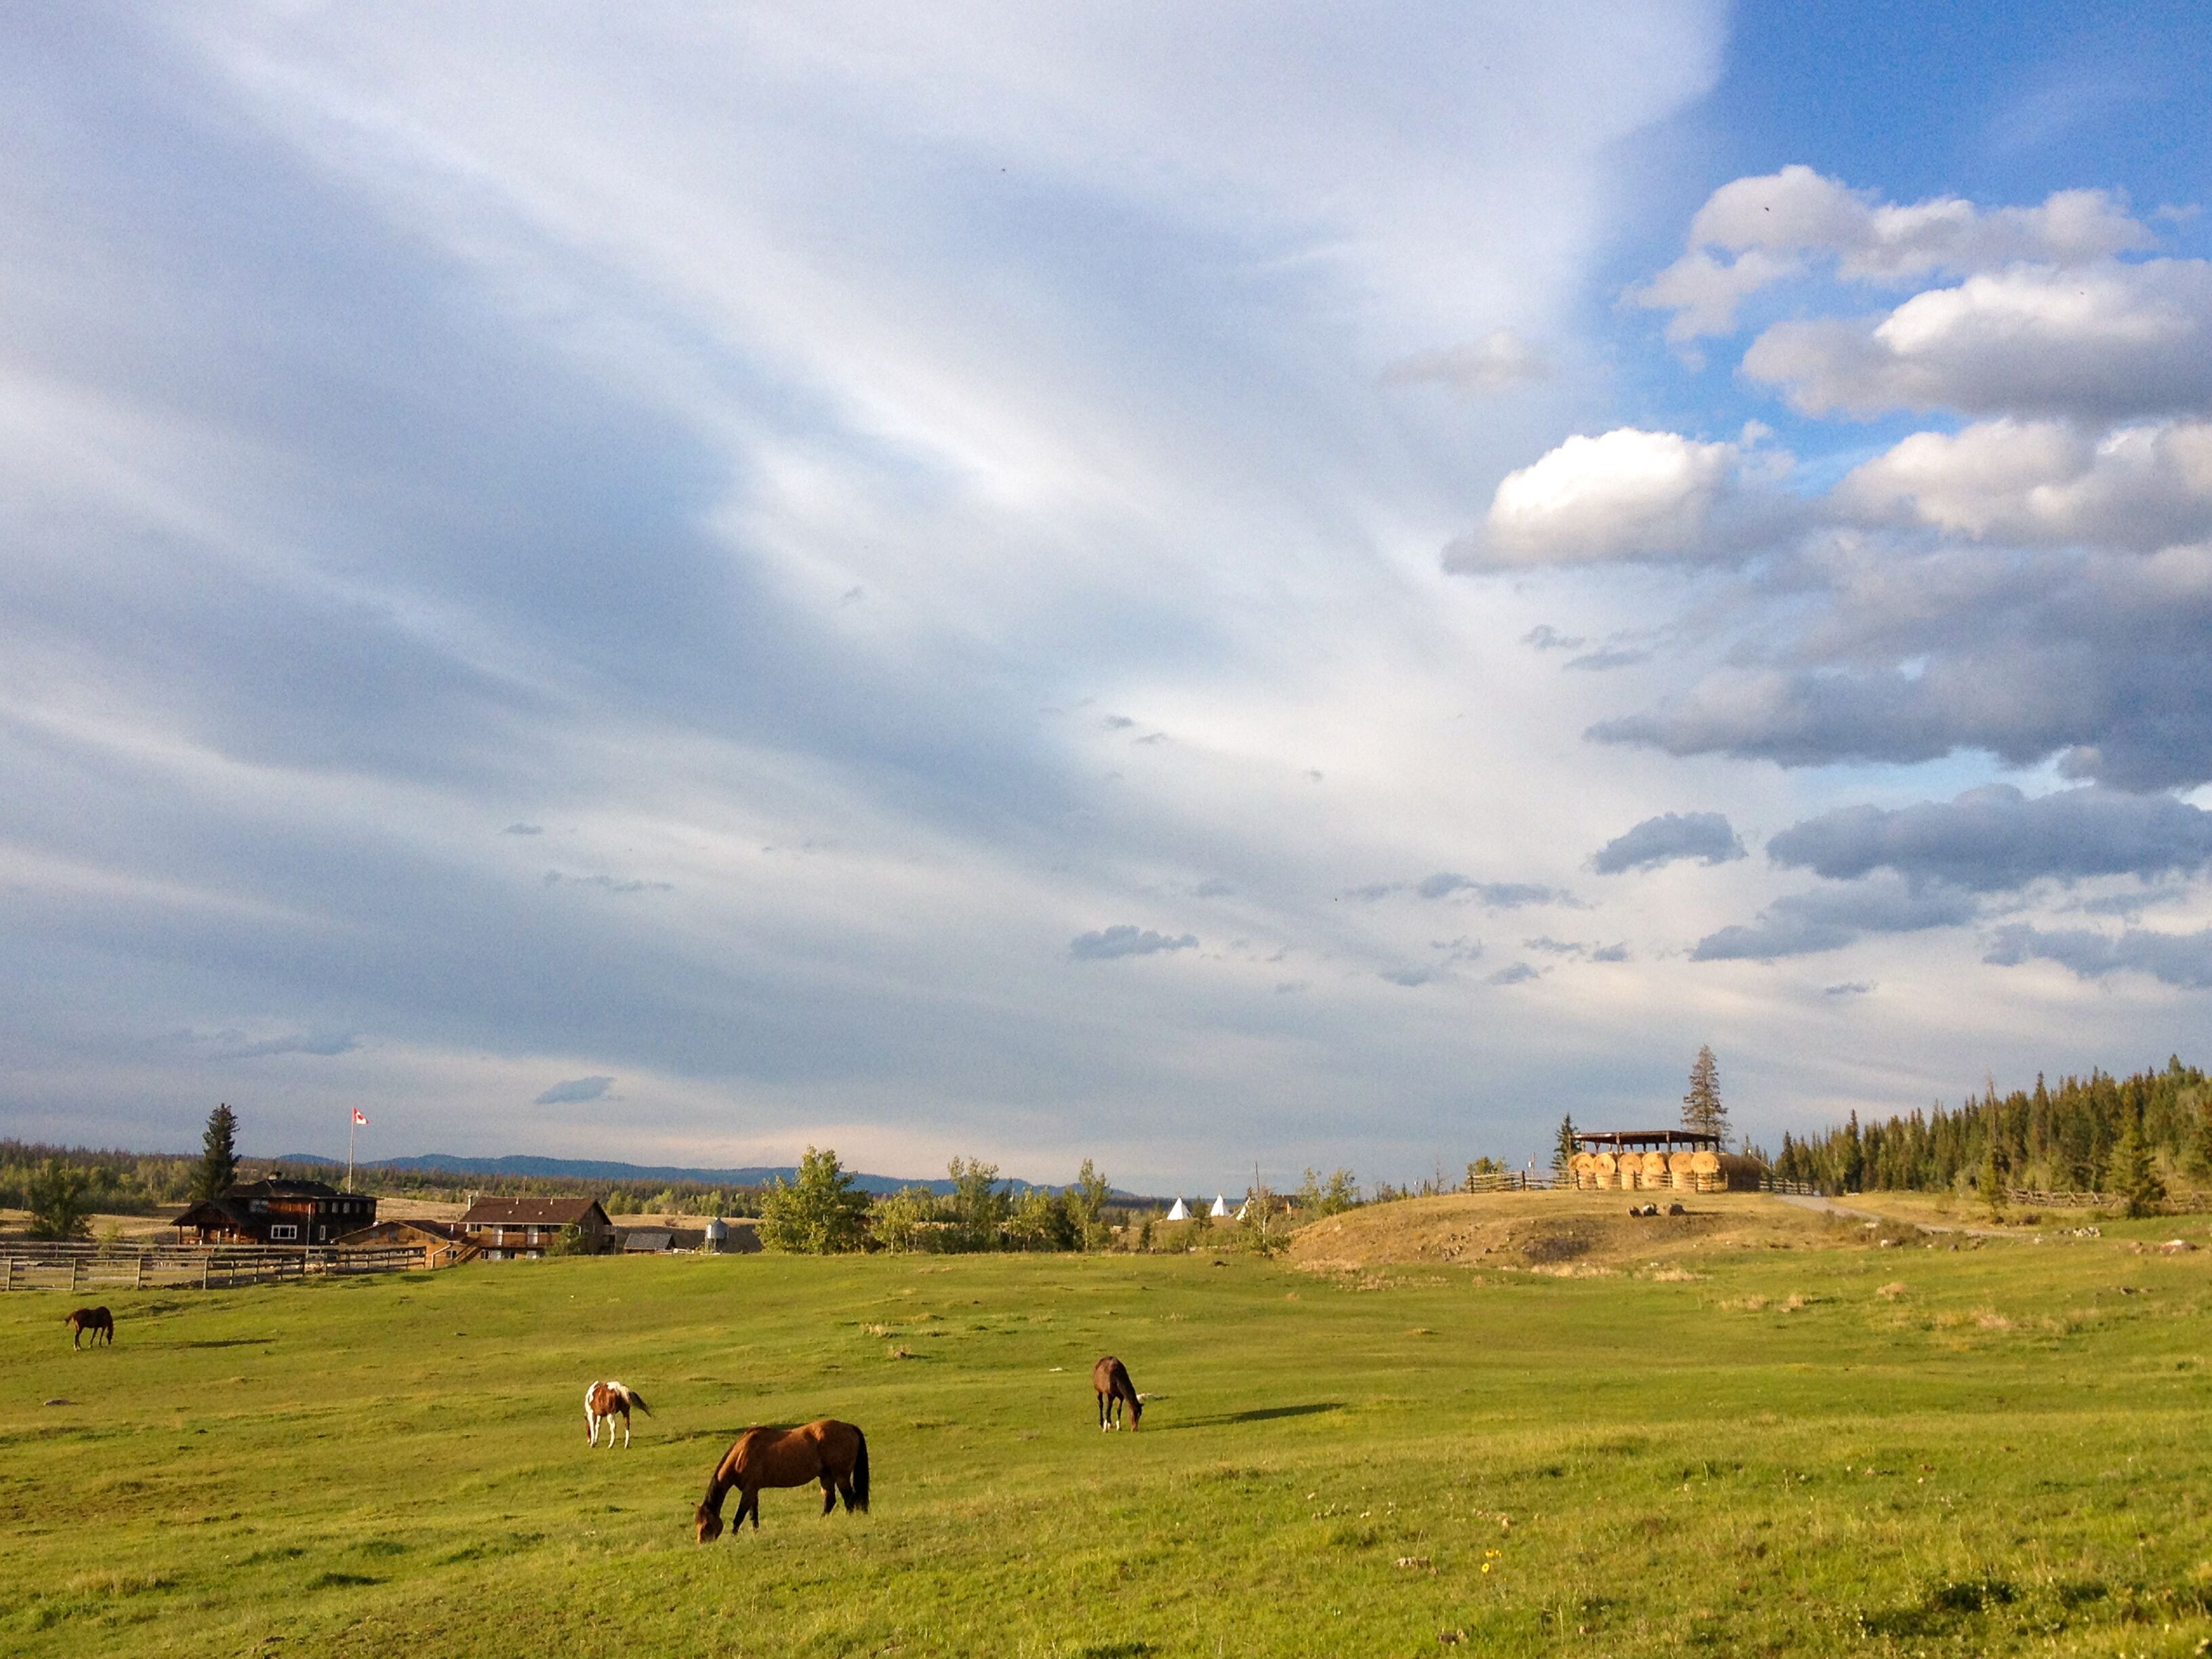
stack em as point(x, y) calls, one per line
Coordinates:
point(1220, 1205)
point(1181, 1212)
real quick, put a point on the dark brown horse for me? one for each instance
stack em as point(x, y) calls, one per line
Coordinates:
point(833, 1453)
point(1111, 1378)
point(94, 1321)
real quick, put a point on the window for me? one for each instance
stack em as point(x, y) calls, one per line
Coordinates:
point(283, 1230)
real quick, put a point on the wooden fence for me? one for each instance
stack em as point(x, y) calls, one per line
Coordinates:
point(1511, 1181)
point(2027, 1198)
point(27, 1265)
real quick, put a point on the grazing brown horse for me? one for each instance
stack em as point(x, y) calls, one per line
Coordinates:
point(602, 1400)
point(95, 1322)
point(833, 1453)
point(1111, 1378)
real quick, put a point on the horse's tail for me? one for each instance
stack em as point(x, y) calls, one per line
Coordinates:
point(636, 1399)
point(860, 1473)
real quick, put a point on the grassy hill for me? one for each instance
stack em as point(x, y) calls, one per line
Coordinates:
point(1735, 1447)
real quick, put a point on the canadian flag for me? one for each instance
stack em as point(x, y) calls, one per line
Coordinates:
point(359, 1116)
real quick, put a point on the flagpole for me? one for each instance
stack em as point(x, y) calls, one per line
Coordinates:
point(350, 1126)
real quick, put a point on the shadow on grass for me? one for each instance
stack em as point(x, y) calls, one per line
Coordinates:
point(1262, 1414)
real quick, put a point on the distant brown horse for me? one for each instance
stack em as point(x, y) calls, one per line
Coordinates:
point(95, 1322)
point(602, 1401)
point(1111, 1378)
point(833, 1453)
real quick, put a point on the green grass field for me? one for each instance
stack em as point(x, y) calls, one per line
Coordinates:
point(1772, 1455)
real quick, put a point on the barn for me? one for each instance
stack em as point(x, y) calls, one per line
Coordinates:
point(443, 1244)
point(506, 1228)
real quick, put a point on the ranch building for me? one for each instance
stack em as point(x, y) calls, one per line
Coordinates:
point(443, 1244)
point(277, 1211)
point(506, 1228)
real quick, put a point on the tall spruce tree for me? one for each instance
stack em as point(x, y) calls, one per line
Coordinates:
point(2132, 1176)
point(1701, 1109)
point(1564, 1149)
point(218, 1164)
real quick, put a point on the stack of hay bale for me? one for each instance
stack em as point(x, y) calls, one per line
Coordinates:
point(1701, 1171)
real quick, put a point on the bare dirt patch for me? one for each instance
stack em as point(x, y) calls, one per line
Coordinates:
point(1578, 1231)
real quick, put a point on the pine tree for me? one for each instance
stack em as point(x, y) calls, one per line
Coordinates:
point(218, 1164)
point(1563, 1153)
point(56, 1199)
point(2131, 1175)
point(1702, 1111)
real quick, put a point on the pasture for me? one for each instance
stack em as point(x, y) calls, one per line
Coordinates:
point(1805, 1445)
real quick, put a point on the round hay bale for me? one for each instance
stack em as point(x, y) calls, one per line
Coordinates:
point(1583, 1169)
point(1681, 1168)
point(1605, 1166)
point(1654, 1171)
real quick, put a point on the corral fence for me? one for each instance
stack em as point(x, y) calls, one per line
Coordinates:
point(31, 1265)
point(1513, 1180)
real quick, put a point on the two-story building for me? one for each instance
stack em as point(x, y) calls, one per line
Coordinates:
point(508, 1228)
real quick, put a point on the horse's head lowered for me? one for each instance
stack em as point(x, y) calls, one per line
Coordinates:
point(710, 1524)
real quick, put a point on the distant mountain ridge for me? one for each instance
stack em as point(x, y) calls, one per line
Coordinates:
point(589, 1169)
point(582, 1168)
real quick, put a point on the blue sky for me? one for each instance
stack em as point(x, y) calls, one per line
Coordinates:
point(1191, 589)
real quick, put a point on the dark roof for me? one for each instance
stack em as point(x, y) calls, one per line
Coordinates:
point(283, 1187)
point(531, 1211)
point(648, 1238)
point(1652, 1138)
point(204, 1214)
point(446, 1231)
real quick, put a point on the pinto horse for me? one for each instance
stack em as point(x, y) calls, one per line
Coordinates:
point(602, 1401)
point(95, 1322)
point(833, 1453)
point(1110, 1377)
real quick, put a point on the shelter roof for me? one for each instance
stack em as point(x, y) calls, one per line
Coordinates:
point(531, 1212)
point(1647, 1140)
point(206, 1214)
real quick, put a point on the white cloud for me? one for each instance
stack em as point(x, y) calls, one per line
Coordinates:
point(1630, 495)
point(2045, 482)
point(1772, 223)
point(2101, 342)
point(1498, 361)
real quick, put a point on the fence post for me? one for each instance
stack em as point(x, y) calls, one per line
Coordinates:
point(205, 1259)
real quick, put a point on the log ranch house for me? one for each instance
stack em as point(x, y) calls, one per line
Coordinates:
point(276, 1212)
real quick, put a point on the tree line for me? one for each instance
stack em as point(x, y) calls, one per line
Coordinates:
point(2100, 1133)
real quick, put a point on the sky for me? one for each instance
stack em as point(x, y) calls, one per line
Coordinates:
point(1247, 587)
